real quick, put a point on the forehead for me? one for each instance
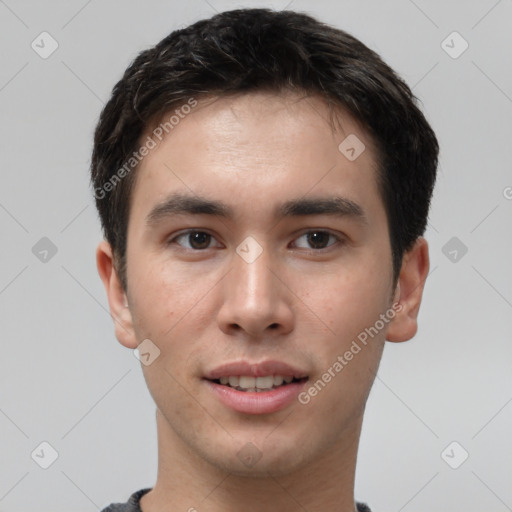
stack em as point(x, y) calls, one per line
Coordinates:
point(241, 121)
point(258, 146)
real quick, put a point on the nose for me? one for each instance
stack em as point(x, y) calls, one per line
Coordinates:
point(256, 298)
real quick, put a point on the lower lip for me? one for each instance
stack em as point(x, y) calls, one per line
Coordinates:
point(263, 402)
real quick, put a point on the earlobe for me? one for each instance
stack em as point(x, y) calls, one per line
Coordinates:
point(118, 302)
point(409, 292)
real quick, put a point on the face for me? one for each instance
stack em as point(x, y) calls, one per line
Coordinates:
point(253, 240)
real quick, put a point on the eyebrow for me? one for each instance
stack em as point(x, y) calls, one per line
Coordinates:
point(183, 204)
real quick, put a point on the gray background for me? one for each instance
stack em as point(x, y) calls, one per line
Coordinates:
point(64, 378)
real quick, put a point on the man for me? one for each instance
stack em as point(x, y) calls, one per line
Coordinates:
point(263, 182)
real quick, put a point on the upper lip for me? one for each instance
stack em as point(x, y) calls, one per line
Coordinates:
point(261, 369)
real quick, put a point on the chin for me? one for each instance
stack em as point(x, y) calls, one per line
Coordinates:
point(262, 468)
point(260, 458)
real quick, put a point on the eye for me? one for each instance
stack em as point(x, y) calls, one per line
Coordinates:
point(317, 239)
point(195, 240)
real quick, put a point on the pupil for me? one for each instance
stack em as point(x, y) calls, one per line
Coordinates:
point(317, 238)
point(199, 240)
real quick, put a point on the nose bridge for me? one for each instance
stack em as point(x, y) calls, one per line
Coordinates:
point(254, 299)
point(252, 281)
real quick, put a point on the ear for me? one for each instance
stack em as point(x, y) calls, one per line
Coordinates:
point(117, 299)
point(414, 271)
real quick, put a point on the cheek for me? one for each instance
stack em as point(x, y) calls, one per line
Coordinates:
point(172, 309)
point(163, 297)
point(348, 301)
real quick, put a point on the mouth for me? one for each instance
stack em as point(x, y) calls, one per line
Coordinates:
point(256, 388)
point(249, 384)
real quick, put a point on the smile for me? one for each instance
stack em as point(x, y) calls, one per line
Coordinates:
point(256, 384)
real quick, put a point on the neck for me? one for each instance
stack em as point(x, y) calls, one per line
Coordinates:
point(189, 483)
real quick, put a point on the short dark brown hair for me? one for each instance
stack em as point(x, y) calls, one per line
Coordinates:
point(247, 50)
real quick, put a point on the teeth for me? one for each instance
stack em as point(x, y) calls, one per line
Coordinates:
point(278, 380)
point(264, 382)
point(246, 382)
point(254, 384)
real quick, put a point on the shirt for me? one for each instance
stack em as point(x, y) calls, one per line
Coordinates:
point(132, 505)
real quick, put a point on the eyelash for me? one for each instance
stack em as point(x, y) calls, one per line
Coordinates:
point(187, 233)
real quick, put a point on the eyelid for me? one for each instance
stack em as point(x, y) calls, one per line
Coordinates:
point(187, 232)
point(339, 238)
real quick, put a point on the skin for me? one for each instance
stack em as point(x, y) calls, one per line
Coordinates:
point(297, 302)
